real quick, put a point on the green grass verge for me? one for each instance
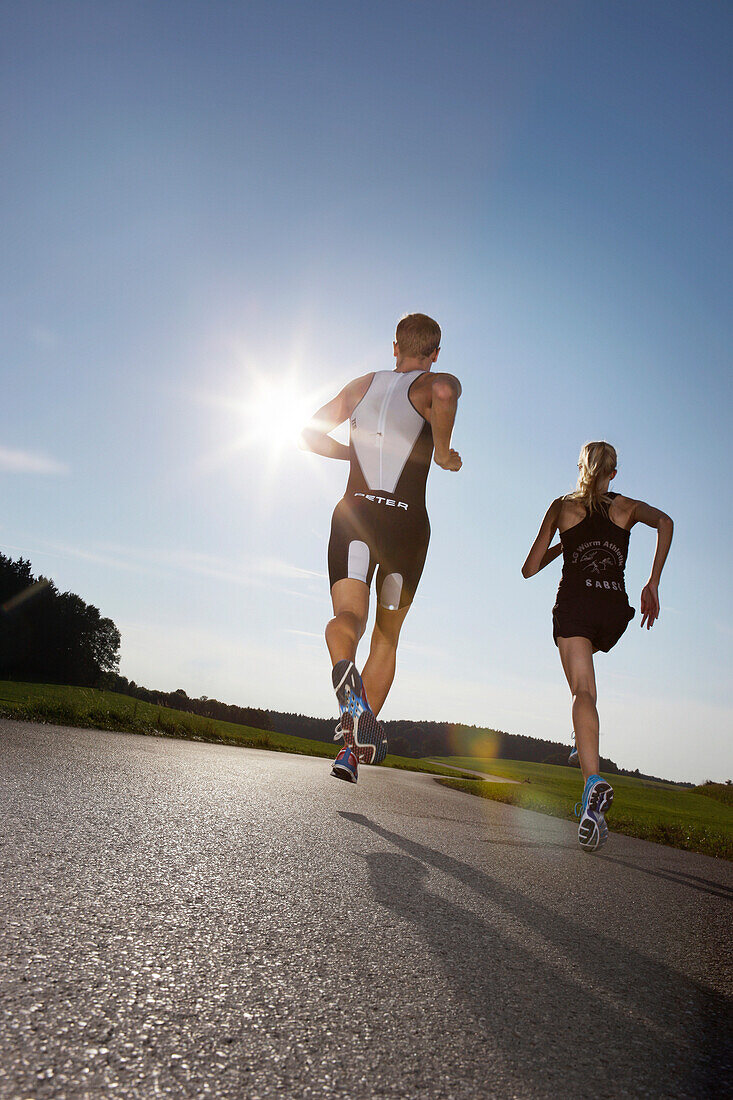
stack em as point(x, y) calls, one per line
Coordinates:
point(680, 817)
point(89, 708)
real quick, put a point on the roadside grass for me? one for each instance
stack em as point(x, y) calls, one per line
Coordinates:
point(90, 708)
point(681, 817)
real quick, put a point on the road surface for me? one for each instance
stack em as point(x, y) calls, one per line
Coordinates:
point(188, 920)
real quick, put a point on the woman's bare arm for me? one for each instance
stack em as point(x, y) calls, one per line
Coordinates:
point(653, 517)
point(542, 553)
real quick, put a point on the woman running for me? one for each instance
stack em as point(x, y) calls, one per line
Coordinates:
point(592, 609)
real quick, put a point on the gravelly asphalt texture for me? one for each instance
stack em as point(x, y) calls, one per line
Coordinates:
point(187, 920)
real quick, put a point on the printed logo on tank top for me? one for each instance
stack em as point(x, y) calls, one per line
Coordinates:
point(596, 556)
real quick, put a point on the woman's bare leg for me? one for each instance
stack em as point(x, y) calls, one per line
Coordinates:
point(576, 655)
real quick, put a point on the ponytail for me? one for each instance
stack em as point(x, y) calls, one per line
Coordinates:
point(596, 463)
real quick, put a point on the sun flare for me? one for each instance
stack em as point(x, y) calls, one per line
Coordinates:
point(274, 415)
point(261, 415)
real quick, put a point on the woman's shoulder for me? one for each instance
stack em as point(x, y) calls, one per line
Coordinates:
point(621, 510)
point(622, 501)
point(569, 512)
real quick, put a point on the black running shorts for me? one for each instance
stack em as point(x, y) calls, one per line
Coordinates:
point(370, 530)
point(578, 617)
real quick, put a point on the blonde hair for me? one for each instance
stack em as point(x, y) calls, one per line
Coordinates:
point(418, 335)
point(597, 461)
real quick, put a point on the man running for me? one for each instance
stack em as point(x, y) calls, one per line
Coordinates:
point(399, 420)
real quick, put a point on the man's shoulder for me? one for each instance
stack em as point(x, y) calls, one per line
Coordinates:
point(444, 378)
point(429, 378)
point(362, 379)
point(357, 387)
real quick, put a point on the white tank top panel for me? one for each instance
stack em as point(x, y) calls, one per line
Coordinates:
point(385, 428)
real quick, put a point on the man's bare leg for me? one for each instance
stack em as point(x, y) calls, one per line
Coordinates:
point(362, 734)
point(576, 655)
point(350, 610)
point(379, 670)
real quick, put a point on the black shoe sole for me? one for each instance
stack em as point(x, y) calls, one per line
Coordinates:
point(343, 773)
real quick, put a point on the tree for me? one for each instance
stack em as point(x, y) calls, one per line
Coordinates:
point(48, 635)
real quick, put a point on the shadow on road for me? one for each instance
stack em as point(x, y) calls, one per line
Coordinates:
point(562, 1002)
point(694, 882)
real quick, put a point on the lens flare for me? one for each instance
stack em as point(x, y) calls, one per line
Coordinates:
point(479, 744)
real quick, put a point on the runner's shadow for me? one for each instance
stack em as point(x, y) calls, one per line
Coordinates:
point(551, 992)
point(694, 882)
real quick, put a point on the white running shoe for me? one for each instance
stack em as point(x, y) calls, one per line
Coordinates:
point(592, 828)
point(573, 758)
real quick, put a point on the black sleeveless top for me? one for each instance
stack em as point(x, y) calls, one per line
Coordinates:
point(594, 558)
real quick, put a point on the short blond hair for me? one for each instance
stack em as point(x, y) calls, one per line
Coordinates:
point(417, 334)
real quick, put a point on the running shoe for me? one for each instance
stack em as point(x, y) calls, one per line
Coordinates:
point(592, 828)
point(346, 765)
point(573, 758)
point(371, 752)
point(359, 726)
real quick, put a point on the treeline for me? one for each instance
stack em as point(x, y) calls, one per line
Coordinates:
point(179, 700)
point(421, 739)
point(406, 738)
point(425, 739)
point(49, 635)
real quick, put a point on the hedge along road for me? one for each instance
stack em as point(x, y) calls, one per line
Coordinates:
point(188, 920)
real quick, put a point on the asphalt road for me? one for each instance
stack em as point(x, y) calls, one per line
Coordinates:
point(187, 920)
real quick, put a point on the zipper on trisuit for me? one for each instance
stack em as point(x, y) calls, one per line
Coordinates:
point(380, 423)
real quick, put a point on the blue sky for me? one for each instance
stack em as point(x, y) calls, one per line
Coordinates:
point(212, 207)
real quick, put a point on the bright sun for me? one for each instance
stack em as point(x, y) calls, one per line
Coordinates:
point(275, 413)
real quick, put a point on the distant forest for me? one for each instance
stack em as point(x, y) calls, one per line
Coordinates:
point(406, 738)
point(50, 635)
point(54, 637)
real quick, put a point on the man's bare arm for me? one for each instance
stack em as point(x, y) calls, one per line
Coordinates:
point(315, 435)
point(445, 393)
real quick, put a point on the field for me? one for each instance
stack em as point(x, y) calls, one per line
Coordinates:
point(699, 819)
point(89, 708)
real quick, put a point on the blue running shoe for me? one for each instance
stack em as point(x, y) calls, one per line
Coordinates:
point(346, 766)
point(592, 828)
point(573, 758)
point(358, 726)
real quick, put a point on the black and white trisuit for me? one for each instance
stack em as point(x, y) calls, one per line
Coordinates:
point(591, 598)
point(381, 519)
